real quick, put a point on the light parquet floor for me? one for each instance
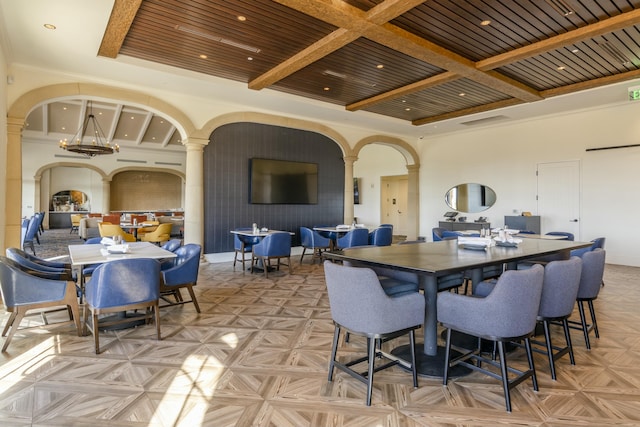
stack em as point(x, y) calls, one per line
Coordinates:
point(257, 355)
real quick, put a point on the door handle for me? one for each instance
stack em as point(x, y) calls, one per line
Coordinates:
point(573, 220)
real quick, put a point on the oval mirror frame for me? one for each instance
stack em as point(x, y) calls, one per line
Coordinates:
point(69, 200)
point(470, 197)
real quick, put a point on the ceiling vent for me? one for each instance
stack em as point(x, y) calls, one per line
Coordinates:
point(347, 77)
point(614, 52)
point(561, 6)
point(484, 120)
point(216, 38)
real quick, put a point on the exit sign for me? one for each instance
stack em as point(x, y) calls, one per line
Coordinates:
point(634, 93)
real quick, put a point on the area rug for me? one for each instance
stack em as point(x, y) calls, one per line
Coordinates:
point(55, 243)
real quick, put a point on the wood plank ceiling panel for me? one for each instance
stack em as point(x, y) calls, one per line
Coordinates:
point(430, 53)
point(453, 96)
point(177, 33)
point(352, 73)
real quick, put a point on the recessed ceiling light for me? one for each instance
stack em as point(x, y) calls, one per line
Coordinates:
point(560, 67)
point(202, 56)
point(407, 109)
point(64, 128)
point(242, 18)
point(50, 26)
point(249, 58)
point(326, 88)
point(461, 94)
point(379, 66)
point(132, 118)
point(576, 50)
point(485, 23)
point(404, 100)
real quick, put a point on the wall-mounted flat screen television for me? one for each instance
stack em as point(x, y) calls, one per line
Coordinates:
point(283, 182)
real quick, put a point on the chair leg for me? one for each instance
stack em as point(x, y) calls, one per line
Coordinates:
point(334, 350)
point(302, 256)
point(96, 332)
point(534, 377)
point(14, 327)
point(447, 355)
point(505, 373)
point(10, 321)
point(289, 263)
point(412, 343)
point(372, 352)
point(547, 339)
point(593, 318)
point(585, 328)
point(193, 298)
point(567, 337)
point(156, 311)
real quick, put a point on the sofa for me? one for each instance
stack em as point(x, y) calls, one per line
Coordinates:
point(88, 227)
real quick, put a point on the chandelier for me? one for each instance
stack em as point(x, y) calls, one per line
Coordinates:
point(98, 143)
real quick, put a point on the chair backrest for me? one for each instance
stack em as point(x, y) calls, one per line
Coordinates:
point(37, 260)
point(274, 244)
point(241, 242)
point(358, 302)
point(514, 303)
point(20, 288)
point(111, 219)
point(172, 245)
point(449, 235)
point(382, 236)
point(185, 266)
point(311, 239)
point(32, 229)
point(123, 282)
point(29, 263)
point(592, 273)
point(138, 218)
point(598, 243)
point(437, 233)
point(110, 230)
point(23, 230)
point(569, 236)
point(93, 240)
point(560, 288)
point(75, 219)
point(160, 234)
point(355, 237)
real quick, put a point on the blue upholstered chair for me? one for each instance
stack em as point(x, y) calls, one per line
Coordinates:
point(172, 245)
point(559, 293)
point(183, 274)
point(360, 306)
point(507, 314)
point(355, 237)
point(88, 269)
point(40, 267)
point(595, 244)
point(30, 235)
point(437, 233)
point(381, 236)
point(22, 292)
point(448, 235)
point(243, 245)
point(40, 219)
point(273, 246)
point(118, 286)
point(590, 283)
point(310, 239)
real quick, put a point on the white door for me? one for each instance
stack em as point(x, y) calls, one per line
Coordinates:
point(393, 198)
point(559, 197)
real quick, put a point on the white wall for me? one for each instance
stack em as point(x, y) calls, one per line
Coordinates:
point(375, 161)
point(505, 158)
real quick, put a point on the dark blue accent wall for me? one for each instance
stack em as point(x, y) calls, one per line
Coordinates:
point(226, 181)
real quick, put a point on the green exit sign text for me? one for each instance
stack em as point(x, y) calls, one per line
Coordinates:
point(634, 93)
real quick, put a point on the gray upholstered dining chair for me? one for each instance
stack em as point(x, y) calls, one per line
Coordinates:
point(360, 306)
point(590, 284)
point(513, 306)
point(559, 292)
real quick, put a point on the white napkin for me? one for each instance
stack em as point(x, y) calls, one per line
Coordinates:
point(343, 227)
point(478, 241)
point(118, 249)
point(107, 241)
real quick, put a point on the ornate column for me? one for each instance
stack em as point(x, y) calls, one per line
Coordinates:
point(348, 188)
point(194, 191)
point(413, 202)
point(106, 195)
point(13, 184)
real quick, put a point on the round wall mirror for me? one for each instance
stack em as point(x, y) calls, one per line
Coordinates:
point(470, 198)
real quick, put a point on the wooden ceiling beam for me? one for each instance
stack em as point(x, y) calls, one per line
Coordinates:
point(122, 15)
point(591, 84)
point(439, 79)
point(609, 25)
point(465, 112)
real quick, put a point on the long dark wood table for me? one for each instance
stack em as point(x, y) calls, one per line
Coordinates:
point(436, 259)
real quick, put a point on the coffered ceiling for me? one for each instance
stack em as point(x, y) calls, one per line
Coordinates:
point(419, 61)
point(403, 66)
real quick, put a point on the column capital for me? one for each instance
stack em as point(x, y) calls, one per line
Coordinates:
point(350, 159)
point(195, 144)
